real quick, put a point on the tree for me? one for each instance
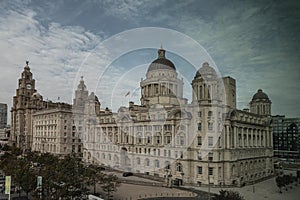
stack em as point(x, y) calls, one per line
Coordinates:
point(110, 184)
point(228, 195)
point(93, 175)
point(286, 181)
point(279, 182)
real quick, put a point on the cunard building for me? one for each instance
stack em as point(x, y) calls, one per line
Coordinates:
point(206, 141)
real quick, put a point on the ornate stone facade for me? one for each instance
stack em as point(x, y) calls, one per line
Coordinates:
point(207, 141)
point(43, 126)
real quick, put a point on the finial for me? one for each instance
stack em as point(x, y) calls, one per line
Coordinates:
point(81, 77)
point(27, 62)
point(161, 45)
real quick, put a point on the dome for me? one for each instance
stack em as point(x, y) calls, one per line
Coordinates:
point(36, 95)
point(260, 95)
point(206, 70)
point(92, 96)
point(161, 62)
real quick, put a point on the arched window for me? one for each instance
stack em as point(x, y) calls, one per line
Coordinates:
point(156, 163)
point(138, 161)
point(139, 138)
point(158, 138)
point(168, 138)
point(179, 167)
point(148, 137)
point(147, 162)
point(181, 139)
point(167, 165)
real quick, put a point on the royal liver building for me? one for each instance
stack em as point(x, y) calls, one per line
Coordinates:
point(206, 141)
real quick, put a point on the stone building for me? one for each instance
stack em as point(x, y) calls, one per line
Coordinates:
point(54, 131)
point(207, 141)
point(40, 125)
point(3, 115)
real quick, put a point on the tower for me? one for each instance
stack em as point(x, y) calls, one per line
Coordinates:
point(207, 86)
point(260, 104)
point(161, 86)
point(25, 102)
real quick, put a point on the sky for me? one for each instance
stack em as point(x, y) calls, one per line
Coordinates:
point(112, 43)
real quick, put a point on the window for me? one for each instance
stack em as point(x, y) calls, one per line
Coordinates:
point(167, 164)
point(179, 167)
point(158, 138)
point(199, 169)
point(199, 114)
point(210, 141)
point(199, 126)
point(148, 139)
point(138, 161)
point(210, 156)
point(210, 126)
point(147, 162)
point(168, 139)
point(199, 140)
point(210, 171)
point(139, 140)
point(181, 139)
point(210, 113)
point(156, 163)
point(199, 155)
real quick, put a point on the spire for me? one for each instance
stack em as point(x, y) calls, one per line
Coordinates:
point(81, 85)
point(161, 52)
point(26, 66)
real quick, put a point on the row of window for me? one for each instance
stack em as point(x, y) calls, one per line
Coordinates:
point(210, 170)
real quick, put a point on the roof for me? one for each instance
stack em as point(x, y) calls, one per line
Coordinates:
point(161, 62)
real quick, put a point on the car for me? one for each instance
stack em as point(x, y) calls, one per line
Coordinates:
point(125, 174)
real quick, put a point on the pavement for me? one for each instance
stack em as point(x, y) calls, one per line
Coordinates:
point(265, 190)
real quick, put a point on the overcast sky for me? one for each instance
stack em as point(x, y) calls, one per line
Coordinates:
point(112, 43)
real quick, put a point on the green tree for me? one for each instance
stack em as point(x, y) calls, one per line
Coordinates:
point(109, 185)
point(228, 195)
point(279, 182)
point(93, 175)
point(286, 181)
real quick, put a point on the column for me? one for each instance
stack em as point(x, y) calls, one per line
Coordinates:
point(235, 136)
point(227, 136)
point(173, 135)
point(242, 137)
point(247, 137)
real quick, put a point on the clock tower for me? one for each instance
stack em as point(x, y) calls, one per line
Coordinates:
point(24, 104)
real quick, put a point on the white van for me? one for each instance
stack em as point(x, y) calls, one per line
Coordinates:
point(93, 197)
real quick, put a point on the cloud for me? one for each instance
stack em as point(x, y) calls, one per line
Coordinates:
point(55, 53)
point(254, 42)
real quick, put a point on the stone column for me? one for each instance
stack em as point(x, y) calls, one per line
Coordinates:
point(235, 136)
point(242, 136)
point(227, 136)
point(247, 137)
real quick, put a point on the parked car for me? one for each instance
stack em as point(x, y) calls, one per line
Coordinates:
point(125, 174)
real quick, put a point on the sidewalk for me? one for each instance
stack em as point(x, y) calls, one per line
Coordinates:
point(265, 190)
